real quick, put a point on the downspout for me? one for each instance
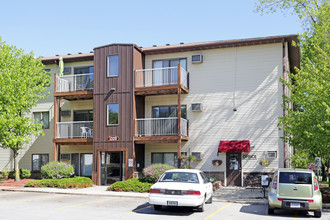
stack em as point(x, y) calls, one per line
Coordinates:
point(284, 92)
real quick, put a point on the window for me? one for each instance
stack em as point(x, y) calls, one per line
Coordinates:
point(42, 118)
point(83, 115)
point(168, 111)
point(83, 70)
point(38, 160)
point(163, 75)
point(184, 177)
point(164, 158)
point(113, 114)
point(170, 63)
point(295, 178)
point(86, 164)
point(113, 65)
point(205, 179)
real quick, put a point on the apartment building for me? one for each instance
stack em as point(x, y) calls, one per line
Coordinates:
point(116, 110)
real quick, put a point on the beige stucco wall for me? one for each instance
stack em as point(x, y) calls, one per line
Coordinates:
point(246, 78)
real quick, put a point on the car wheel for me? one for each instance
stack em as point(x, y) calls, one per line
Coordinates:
point(201, 208)
point(270, 210)
point(317, 213)
point(157, 207)
point(209, 201)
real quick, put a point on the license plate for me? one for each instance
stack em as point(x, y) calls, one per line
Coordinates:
point(294, 205)
point(172, 203)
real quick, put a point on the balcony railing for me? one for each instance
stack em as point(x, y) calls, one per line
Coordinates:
point(160, 77)
point(75, 129)
point(72, 83)
point(160, 127)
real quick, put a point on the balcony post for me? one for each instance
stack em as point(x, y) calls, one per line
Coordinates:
point(55, 120)
point(179, 126)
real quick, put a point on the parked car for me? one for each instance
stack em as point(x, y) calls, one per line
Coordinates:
point(181, 187)
point(295, 189)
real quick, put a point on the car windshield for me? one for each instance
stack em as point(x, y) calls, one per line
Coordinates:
point(295, 178)
point(179, 177)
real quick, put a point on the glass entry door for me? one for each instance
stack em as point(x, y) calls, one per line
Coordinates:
point(112, 169)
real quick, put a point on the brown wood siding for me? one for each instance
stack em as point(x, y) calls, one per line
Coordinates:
point(123, 95)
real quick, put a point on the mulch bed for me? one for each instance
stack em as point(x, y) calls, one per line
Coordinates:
point(11, 182)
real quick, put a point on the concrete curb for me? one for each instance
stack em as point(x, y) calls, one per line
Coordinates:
point(109, 193)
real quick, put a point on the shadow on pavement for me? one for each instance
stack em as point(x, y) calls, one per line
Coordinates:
point(146, 208)
point(279, 213)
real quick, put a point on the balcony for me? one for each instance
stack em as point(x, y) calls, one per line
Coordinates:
point(73, 87)
point(161, 81)
point(76, 132)
point(160, 130)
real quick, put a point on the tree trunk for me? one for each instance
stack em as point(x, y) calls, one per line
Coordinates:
point(324, 172)
point(15, 152)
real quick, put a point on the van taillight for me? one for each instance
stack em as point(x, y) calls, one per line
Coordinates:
point(280, 199)
point(310, 201)
point(316, 185)
point(275, 182)
point(154, 191)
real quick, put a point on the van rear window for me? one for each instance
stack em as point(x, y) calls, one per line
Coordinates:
point(295, 178)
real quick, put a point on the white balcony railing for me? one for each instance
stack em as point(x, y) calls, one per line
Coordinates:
point(160, 126)
point(160, 77)
point(75, 129)
point(72, 83)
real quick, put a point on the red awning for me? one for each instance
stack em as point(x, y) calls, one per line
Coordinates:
point(234, 146)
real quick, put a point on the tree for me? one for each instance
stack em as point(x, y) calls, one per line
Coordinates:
point(306, 124)
point(22, 83)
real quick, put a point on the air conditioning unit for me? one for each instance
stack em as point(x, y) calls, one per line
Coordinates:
point(66, 113)
point(197, 58)
point(198, 155)
point(271, 154)
point(65, 156)
point(196, 107)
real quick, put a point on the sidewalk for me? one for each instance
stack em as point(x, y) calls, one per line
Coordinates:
point(224, 194)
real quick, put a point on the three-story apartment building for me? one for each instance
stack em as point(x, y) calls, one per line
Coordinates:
point(121, 108)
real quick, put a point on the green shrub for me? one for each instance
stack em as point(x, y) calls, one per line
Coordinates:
point(5, 173)
point(130, 185)
point(76, 182)
point(57, 170)
point(154, 171)
point(24, 173)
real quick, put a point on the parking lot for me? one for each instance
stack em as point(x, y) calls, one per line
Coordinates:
point(30, 205)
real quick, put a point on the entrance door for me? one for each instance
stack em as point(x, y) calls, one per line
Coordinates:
point(75, 163)
point(234, 169)
point(111, 167)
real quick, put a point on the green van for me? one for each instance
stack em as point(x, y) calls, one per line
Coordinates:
point(295, 189)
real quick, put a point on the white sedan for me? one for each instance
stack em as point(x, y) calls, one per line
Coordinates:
point(181, 187)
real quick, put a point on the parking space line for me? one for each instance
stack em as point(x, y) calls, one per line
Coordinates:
point(86, 203)
point(28, 200)
point(138, 209)
point(217, 211)
point(295, 216)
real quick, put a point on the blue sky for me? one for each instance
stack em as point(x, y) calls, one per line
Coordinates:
point(60, 27)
